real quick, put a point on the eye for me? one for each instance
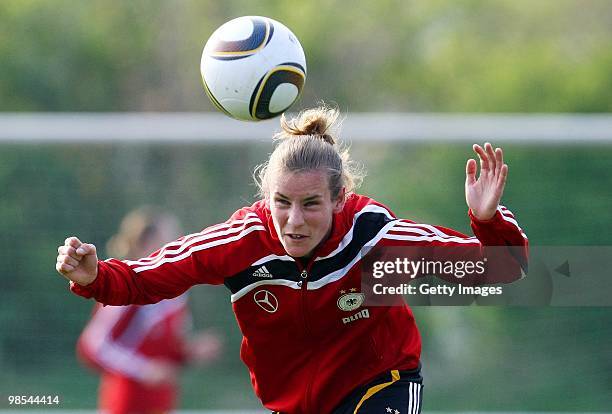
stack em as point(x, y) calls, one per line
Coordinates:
point(311, 203)
point(281, 201)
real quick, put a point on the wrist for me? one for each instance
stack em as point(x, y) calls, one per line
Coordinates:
point(482, 218)
point(85, 283)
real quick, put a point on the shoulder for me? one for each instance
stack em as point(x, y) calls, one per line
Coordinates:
point(357, 204)
point(247, 216)
point(361, 214)
point(258, 208)
point(361, 222)
point(244, 224)
point(237, 242)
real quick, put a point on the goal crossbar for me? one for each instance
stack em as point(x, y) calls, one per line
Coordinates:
point(193, 127)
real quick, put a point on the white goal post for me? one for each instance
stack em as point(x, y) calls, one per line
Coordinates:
point(191, 127)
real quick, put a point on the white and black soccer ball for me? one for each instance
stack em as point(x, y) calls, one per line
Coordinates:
point(253, 68)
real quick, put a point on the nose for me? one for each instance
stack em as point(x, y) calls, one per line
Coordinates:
point(296, 216)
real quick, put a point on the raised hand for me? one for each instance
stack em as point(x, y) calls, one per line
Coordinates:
point(159, 371)
point(206, 346)
point(77, 261)
point(483, 194)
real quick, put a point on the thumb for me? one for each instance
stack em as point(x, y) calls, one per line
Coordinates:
point(470, 172)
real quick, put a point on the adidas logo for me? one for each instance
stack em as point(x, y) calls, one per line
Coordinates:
point(262, 272)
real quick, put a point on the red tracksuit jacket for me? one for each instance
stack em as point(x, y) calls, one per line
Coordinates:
point(119, 340)
point(302, 355)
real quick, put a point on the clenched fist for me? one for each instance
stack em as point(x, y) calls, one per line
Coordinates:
point(77, 261)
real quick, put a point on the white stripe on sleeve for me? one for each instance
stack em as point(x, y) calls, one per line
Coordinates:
point(199, 247)
point(190, 240)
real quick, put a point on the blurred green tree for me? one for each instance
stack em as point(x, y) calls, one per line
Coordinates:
point(441, 55)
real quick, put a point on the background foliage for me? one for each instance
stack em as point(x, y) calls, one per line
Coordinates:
point(437, 55)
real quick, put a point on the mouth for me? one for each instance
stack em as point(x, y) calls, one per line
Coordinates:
point(295, 237)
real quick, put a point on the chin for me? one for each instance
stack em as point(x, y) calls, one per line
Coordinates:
point(297, 251)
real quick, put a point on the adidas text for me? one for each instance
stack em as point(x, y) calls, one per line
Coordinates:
point(262, 272)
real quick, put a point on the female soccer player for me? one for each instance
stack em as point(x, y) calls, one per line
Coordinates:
point(291, 259)
point(139, 350)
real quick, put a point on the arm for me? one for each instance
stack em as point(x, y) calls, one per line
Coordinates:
point(493, 225)
point(198, 258)
point(123, 282)
point(103, 346)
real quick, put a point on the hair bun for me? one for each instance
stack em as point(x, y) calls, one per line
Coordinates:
point(303, 146)
point(314, 126)
point(313, 122)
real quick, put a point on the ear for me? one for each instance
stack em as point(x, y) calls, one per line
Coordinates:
point(340, 200)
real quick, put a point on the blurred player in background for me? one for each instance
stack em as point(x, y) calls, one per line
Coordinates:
point(139, 350)
point(292, 263)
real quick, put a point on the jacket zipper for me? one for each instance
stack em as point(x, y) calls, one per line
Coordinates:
point(303, 283)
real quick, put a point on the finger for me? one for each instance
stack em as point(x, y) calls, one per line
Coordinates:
point(503, 175)
point(73, 241)
point(491, 155)
point(499, 158)
point(470, 171)
point(69, 251)
point(64, 268)
point(484, 163)
point(86, 248)
point(68, 260)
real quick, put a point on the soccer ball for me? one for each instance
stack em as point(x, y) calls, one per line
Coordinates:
point(253, 68)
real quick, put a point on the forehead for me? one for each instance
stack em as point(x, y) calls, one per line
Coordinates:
point(300, 184)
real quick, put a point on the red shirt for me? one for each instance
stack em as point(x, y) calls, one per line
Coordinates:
point(119, 341)
point(302, 354)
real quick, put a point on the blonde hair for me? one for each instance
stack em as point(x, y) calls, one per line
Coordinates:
point(307, 143)
point(136, 229)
